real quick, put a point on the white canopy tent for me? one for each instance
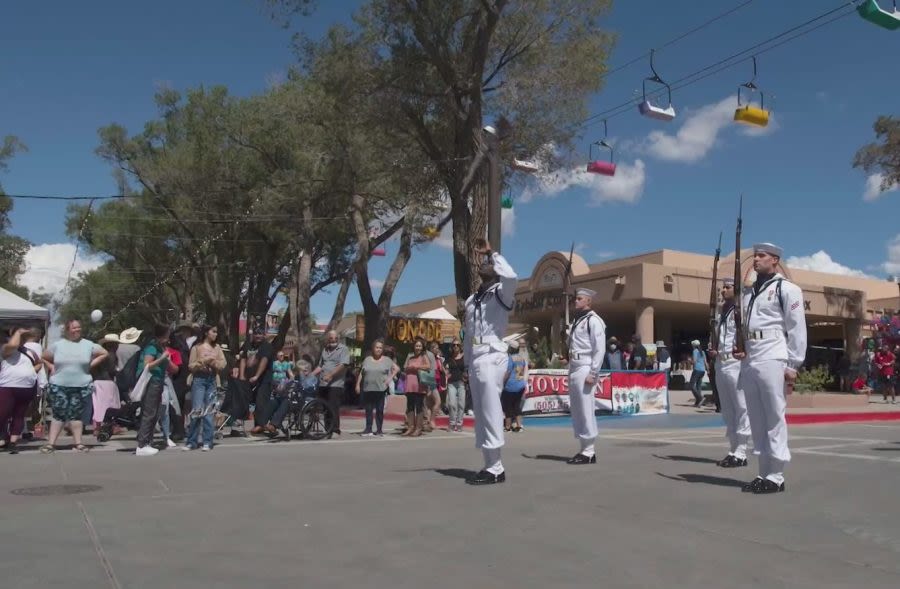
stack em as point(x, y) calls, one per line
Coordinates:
point(15, 308)
point(439, 313)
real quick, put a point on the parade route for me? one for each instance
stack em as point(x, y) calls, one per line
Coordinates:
point(655, 511)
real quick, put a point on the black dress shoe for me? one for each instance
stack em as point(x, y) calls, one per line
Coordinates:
point(768, 487)
point(732, 461)
point(486, 478)
point(582, 459)
point(753, 485)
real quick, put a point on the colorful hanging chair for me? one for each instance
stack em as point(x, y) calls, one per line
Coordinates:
point(872, 12)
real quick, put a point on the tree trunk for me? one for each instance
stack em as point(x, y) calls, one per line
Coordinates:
point(300, 289)
point(376, 314)
point(338, 313)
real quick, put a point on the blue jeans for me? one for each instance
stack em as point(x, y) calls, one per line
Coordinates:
point(697, 384)
point(203, 393)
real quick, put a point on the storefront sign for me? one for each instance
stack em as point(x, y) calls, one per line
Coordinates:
point(625, 393)
point(403, 330)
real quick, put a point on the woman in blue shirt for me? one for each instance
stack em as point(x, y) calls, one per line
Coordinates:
point(70, 361)
point(513, 389)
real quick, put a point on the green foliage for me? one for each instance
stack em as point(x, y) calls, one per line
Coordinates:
point(882, 156)
point(12, 248)
point(542, 355)
point(813, 380)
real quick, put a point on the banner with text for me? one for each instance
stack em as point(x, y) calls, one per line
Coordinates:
point(624, 393)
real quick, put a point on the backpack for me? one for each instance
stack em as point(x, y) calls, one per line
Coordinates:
point(127, 377)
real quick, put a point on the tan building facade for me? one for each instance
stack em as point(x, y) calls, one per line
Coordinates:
point(664, 295)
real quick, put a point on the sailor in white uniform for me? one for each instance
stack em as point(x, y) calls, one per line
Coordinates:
point(587, 347)
point(487, 315)
point(775, 339)
point(728, 370)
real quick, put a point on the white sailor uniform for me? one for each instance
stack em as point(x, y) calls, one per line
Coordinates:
point(487, 316)
point(775, 339)
point(587, 346)
point(731, 397)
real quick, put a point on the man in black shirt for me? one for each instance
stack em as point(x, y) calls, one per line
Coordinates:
point(639, 355)
point(256, 368)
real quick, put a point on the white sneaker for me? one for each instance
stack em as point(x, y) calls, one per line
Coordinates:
point(206, 448)
point(470, 413)
point(170, 443)
point(187, 448)
point(146, 451)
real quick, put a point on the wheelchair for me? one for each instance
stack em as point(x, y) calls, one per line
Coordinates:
point(308, 417)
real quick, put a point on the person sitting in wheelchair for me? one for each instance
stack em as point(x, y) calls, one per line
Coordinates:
point(303, 385)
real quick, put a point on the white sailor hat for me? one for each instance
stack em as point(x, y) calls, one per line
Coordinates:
point(768, 248)
point(586, 292)
point(728, 282)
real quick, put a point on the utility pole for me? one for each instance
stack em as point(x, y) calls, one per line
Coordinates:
point(494, 219)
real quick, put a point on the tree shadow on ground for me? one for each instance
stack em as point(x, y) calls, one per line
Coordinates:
point(679, 458)
point(550, 457)
point(704, 479)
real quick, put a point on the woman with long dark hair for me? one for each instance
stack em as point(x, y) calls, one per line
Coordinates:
point(416, 364)
point(206, 362)
point(155, 358)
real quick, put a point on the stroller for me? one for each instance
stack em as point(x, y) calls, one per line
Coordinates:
point(128, 416)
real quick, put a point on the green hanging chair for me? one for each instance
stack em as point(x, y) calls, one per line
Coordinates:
point(872, 12)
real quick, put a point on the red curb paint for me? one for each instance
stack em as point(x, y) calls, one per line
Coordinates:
point(442, 421)
point(813, 418)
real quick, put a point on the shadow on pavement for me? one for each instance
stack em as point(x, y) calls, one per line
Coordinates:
point(456, 473)
point(886, 449)
point(705, 479)
point(679, 458)
point(550, 457)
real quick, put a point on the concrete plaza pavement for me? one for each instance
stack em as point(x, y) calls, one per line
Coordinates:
point(394, 512)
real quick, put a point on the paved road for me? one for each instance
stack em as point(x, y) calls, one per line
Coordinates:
point(392, 512)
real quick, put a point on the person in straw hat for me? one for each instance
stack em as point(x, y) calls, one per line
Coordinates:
point(775, 341)
point(587, 348)
point(128, 346)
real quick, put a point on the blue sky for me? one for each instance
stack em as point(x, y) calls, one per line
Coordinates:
point(69, 68)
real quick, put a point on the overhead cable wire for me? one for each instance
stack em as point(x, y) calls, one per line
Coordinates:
point(734, 59)
point(678, 38)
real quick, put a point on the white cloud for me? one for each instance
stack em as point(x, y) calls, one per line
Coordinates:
point(48, 264)
point(821, 262)
point(892, 265)
point(626, 186)
point(874, 185)
point(603, 255)
point(699, 133)
point(375, 283)
point(508, 221)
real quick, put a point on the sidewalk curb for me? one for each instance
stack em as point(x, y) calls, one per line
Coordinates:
point(819, 418)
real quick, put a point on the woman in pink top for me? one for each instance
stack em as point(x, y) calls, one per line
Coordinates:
point(415, 395)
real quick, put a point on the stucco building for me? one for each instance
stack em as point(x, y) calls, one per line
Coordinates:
point(664, 295)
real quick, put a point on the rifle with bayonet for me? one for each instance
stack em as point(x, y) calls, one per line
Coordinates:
point(713, 304)
point(738, 283)
point(567, 286)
